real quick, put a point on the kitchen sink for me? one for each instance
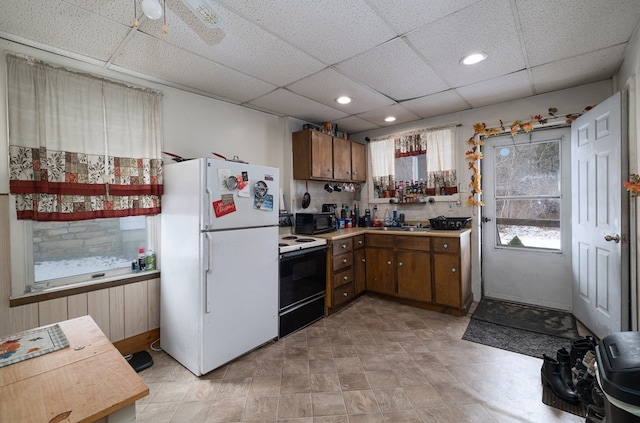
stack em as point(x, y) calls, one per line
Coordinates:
point(402, 229)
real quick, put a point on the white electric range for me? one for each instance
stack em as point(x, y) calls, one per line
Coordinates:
point(291, 242)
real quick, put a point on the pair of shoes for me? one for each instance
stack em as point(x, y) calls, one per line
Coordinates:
point(589, 362)
point(584, 387)
point(580, 346)
point(551, 376)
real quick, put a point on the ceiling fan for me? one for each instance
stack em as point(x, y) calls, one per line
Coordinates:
point(204, 10)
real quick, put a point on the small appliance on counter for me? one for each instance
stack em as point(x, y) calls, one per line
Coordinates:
point(315, 223)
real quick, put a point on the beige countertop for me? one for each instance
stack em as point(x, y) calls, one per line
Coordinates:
point(346, 233)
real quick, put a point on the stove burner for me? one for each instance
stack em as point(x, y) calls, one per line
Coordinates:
point(290, 237)
point(305, 240)
point(282, 244)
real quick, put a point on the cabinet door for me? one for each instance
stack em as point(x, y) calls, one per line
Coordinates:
point(321, 155)
point(341, 159)
point(359, 270)
point(380, 270)
point(446, 274)
point(414, 275)
point(358, 162)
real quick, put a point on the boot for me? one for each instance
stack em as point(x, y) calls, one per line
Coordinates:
point(579, 348)
point(551, 376)
point(565, 366)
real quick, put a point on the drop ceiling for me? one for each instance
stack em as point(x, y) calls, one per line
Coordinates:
point(295, 57)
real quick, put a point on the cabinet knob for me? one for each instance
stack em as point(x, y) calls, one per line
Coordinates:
point(445, 246)
point(345, 294)
point(364, 260)
point(399, 263)
point(344, 260)
point(360, 242)
point(343, 246)
point(389, 262)
point(453, 270)
point(355, 172)
point(329, 170)
point(348, 173)
point(346, 278)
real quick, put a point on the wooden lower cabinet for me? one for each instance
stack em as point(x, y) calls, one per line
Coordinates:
point(414, 275)
point(432, 272)
point(426, 271)
point(381, 270)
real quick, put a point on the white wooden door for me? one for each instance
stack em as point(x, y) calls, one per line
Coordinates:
point(526, 241)
point(599, 227)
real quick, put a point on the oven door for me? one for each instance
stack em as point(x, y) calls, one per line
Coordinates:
point(302, 288)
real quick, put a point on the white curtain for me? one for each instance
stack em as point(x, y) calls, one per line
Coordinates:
point(80, 146)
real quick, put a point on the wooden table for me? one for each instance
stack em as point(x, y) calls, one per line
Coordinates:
point(74, 384)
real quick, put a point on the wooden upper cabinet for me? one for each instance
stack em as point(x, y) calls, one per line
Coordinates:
point(320, 156)
point(341, 159)
point(312, 155)
point(358, 162)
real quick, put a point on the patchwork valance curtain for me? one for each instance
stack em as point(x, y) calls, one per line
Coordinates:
point(410, 145)
point(81, 147)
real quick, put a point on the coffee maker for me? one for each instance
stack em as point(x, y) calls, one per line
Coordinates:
point(330, 208)
point(365, 221)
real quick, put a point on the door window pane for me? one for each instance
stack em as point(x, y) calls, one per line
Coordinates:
point(527, 192)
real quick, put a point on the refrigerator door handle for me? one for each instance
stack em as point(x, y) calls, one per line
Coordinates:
point(207, 280)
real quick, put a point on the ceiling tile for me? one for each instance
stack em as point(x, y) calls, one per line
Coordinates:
point(503, 88)
point(377, 116)
point(436, 104)
point(408, 15)
point(330, 30)
point(118, 11)
point(487, 26)
point(580, 70)
point(238, 44)
point(285, 103)
point(62, 25)
point(552, 33)
point(150, 56)
point(395, 70)
point(327, 85)
point(353, 124)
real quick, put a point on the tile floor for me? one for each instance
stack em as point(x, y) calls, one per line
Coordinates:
point(374, 361)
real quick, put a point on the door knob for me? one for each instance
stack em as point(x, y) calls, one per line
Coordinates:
point(615, 238)
point(486, 219)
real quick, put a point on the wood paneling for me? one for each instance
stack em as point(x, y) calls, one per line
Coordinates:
point(153, 295)
point(52, 311)
point(98, 309)
point(116, 313)
point(136, 309)
point(77, 306)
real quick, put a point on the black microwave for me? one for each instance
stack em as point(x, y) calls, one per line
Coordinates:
point(315, 223)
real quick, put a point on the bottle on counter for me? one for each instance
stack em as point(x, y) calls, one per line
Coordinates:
point(151, 260)
point(142, 260)
point(387, 217)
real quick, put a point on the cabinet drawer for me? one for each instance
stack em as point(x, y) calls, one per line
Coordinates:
point(374, 240)
point(358, 241)
point(421, 243)
point(341, 278)
point(342, 294)
point(446, 245)
point(342, 261)
point(341, 246)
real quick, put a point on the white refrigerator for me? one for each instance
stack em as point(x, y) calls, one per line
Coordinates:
point(219, 261)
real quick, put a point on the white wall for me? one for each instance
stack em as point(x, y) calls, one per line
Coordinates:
point(572, 100)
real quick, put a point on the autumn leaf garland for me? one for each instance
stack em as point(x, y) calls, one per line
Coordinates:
point(480, 132)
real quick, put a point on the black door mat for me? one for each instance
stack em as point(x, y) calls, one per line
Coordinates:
point(552, 400)
point(140, 361)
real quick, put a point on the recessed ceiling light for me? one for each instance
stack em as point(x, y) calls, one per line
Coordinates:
point(389, 118)
point(474, 58)
point(344, 99)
